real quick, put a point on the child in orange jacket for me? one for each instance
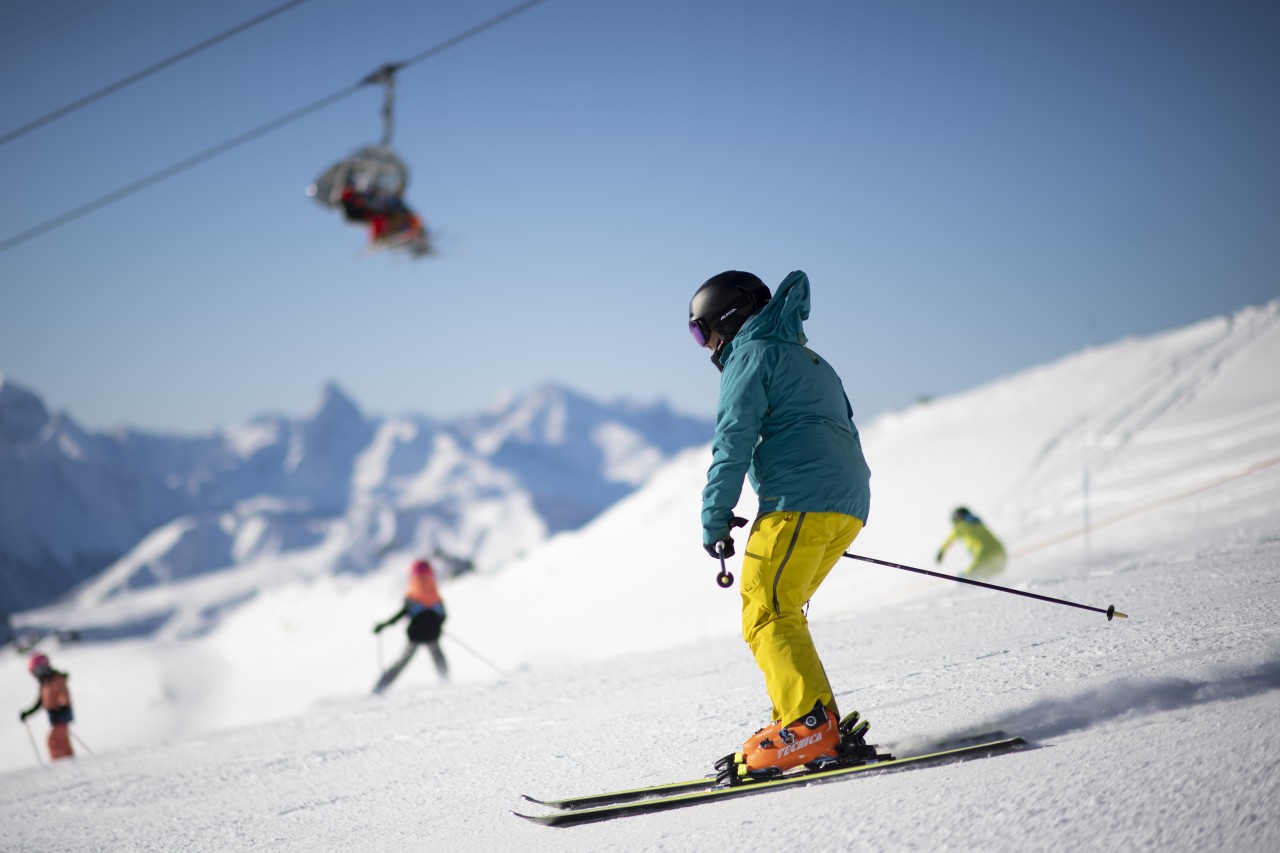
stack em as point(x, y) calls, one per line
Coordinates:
point(425, 609)
point(56, 699)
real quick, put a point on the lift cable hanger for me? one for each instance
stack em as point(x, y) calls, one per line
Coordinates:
point(208, 154)
point(386, 75)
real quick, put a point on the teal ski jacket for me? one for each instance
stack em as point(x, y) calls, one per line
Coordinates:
point(784, 421)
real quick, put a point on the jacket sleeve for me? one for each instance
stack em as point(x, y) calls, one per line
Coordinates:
point(36, 707)
point(400, 614)
point(743, 403)
point(955, 532)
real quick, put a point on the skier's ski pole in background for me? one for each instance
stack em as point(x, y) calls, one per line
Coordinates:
point(490, 663)
point(381, 668)
point(80, 741)
point(1110, 612)
point(35, 747)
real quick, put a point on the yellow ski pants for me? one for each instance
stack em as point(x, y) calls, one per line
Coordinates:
point(788, 556)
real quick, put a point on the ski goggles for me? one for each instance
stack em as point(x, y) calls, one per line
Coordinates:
point(700, 331)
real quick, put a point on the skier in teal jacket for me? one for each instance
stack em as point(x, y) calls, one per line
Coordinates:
point(783, 421)
point(786, 426)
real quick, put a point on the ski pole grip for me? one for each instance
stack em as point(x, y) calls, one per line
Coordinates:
point(725, 578)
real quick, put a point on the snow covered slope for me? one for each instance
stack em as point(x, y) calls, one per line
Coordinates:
point(620, 663)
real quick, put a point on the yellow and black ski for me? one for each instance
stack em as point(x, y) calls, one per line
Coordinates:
point(576, 810)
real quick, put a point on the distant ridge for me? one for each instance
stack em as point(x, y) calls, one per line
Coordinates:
point(485, 487)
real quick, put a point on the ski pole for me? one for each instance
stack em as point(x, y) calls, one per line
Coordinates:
point(491, 665)
point(34, 746)
point(725, 578)
point(1110, 612)
point(80, 741)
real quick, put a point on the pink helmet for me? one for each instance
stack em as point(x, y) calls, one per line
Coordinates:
point(37, 663)
point(422, 567)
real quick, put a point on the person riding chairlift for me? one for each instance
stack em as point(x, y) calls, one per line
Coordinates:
point(391, 221)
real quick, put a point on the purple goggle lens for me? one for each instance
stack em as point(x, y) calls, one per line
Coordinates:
point(698, 329)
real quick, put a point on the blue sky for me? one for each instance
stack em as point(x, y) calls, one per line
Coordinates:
point(973, 188)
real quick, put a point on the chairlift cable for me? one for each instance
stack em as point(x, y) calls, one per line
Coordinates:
point(164, 174)
point(466, 34)
point(386, 74)
point(248, 136)
point(146, 72)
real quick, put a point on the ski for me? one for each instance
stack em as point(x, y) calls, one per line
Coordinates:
point(680, 794)
point(627, 796)
point(667, 789)
point(650, 792)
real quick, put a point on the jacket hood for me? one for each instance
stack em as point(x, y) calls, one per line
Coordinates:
point(782, 319)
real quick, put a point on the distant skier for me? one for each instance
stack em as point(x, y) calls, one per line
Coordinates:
point(785, 422)
point(425, 609)
point(56, 699)
point(984, 548)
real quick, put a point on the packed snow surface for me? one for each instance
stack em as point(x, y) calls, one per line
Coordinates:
point(1144, 474)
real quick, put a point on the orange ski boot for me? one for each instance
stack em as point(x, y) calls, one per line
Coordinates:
point(779, 748)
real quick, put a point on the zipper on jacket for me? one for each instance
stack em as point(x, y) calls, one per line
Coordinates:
point(795, 535)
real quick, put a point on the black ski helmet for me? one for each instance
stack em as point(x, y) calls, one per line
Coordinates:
point(723, 304)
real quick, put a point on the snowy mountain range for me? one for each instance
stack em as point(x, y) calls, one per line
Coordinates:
point(132, 509)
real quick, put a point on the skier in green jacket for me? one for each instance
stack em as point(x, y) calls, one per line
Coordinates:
point(984, 548)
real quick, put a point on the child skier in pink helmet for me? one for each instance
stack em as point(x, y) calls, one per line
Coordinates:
point(56, 699)
point(425, 609)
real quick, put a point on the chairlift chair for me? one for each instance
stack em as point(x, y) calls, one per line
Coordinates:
point(372, 170)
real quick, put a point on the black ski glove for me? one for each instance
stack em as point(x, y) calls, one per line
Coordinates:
point(377, 629)
point(725, 545)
